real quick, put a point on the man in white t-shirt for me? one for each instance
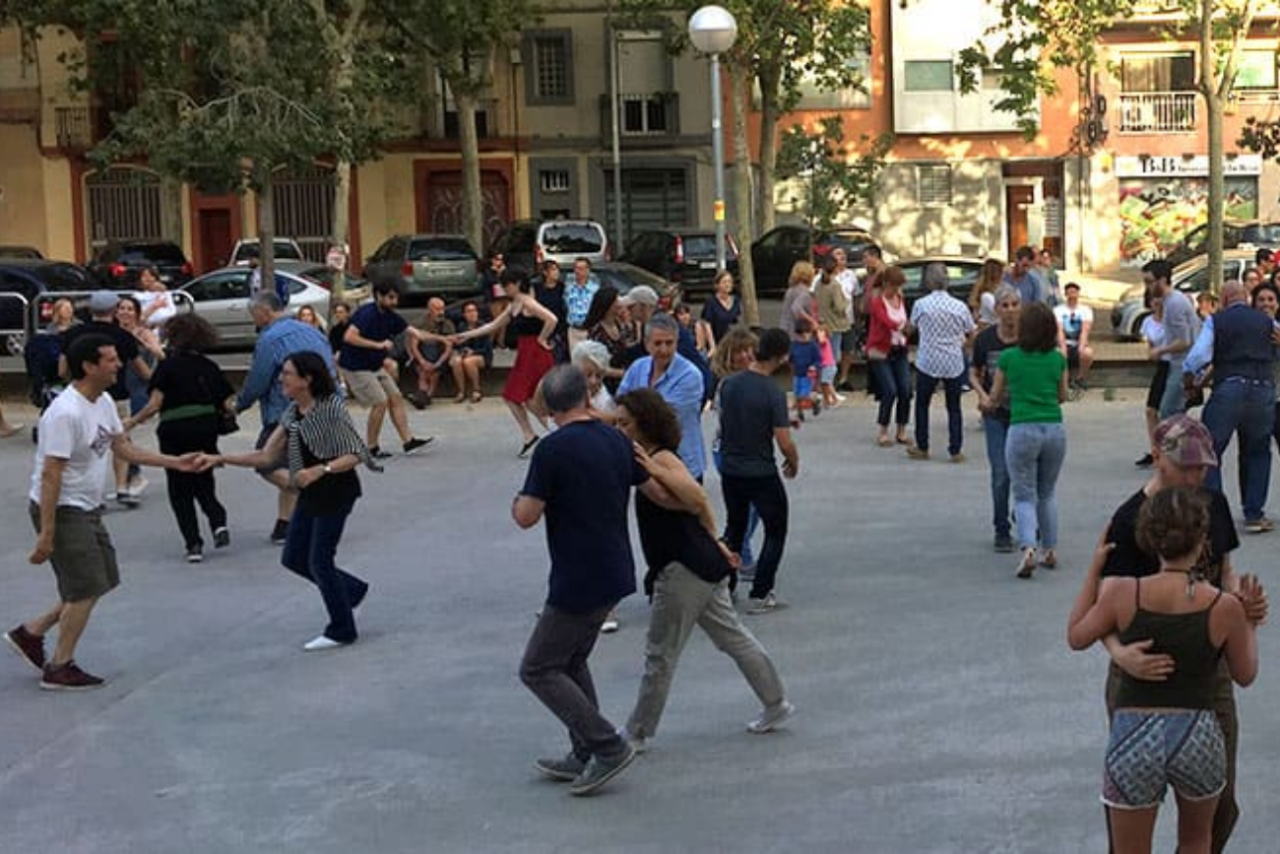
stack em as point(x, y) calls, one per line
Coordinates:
point(1075, 322)
point(78, 433)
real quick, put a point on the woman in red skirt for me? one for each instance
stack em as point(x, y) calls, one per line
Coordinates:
point(533, 326)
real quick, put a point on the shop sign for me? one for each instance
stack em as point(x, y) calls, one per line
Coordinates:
point(1148, 166)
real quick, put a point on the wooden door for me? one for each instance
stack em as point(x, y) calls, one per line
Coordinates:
point(1018, 200)
point(442, 213)
point(215, 238)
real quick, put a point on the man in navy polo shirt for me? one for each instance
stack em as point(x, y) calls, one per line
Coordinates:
point(580, 479)
point(368, 339)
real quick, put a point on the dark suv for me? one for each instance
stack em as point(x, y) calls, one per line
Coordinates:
point(686, 256)
point(527, 243)
point(118, 264)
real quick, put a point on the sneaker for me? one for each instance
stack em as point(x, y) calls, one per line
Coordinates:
point(638, 742)
point(195, 554)
point(68, 677)
point(957, 458)
point(1144, 462)
point(1027, 564)
point(127, 497)
point(601, 770)
point(840, 398)
point(564, 770)
point(323, 644)
point(1260, 525)
point(280, 532)
point(771, 718)
point(1049, 559)
point(221, 538)
point(378, 454)
point(138, 485)
point(1004, 544)
point(762, 606)
point(414, 445)
point(917, 453)
point(27, 645)
point(610, 625)
point(527, 447)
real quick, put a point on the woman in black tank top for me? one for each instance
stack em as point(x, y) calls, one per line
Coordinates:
point(688, 575)
point(1165, 733)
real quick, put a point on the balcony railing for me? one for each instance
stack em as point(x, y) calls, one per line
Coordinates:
point(73, 128)
point(648, 114)
point(1157, 112)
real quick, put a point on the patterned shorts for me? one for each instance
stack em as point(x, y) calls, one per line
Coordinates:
point(1149, 751)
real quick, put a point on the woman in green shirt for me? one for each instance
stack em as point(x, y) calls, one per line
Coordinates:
point(1033, 378)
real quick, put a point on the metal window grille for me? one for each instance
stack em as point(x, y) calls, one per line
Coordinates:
point(304, 209)
point(123, 204)
point(551, 66)
point(933, 185)
point(554, 180)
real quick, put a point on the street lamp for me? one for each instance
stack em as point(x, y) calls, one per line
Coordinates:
point(712, 30)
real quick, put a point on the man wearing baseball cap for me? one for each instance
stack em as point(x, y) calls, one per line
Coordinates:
point(1182, 454)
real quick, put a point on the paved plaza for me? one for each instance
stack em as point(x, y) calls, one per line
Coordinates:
point(940, 707)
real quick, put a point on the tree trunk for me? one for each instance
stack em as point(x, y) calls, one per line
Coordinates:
point(770, 80)
point(740, 89)
point(472, 208)
point(341, 227)
point(267, 230)
point(171, 209)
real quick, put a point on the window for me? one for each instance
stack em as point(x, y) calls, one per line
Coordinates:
point(548, 58)
point(933, 185)
point(928, 75)
point(554, 180)
point(1257, 70)
point(1158, 72)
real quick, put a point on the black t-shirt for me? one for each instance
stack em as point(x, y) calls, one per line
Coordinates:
point(330, 493)
point(584, 471)
point(126, 349)
point(336, 333)
point(375, 324)
point(187, 379)
point(667, 536)
point(751, 408)
point(987, 348)
point(1127, 559)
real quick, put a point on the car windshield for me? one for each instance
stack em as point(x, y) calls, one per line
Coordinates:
point(285, 250)
point(1262, 235)
point(441, 249)
point(61, 277)
point(158, 253)
point(704, 246)
point(572, 238)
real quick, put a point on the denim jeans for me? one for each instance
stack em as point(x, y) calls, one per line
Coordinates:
point(309, 551)
point(1246, 406)
point(769, 497)
point(925, 384)
point(996, 431)
point(554, 668)
point(1033, 454)
point(682, 600)
point(1174, 399)
point(893, 381)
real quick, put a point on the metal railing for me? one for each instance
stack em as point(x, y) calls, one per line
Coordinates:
point(73, 127)
point(1157, 112)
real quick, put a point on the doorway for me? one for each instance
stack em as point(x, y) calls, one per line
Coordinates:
point(1019, 200)
point(214, 226)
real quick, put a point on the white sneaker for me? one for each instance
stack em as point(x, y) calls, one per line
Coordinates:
point(139, 485)
point(840, 397)
point(322, 644)
point(771, 718)
point(610, 625)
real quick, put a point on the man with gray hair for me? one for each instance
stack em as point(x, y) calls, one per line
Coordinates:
point(945, 324)
point(280, 335)
point(580, 479)
point(678, 380)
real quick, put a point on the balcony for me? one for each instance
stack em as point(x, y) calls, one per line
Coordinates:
point(73, 128)
point(1158, 112)
point(643, 115)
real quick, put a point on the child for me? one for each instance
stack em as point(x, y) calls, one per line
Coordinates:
point(827, 370)
point(805, 355)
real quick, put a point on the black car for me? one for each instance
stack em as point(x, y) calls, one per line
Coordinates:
point(1235, 234)
point(777, 250)
point(962, 275)
point(624, 277)
point(118, 263)
point(686, 256)
point(36, 282)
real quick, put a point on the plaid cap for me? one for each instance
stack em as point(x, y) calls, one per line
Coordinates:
point(1185, 441)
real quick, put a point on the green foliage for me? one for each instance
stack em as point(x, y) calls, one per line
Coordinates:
point(831, 178)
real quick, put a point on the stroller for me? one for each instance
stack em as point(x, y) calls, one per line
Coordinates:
point(41, 354)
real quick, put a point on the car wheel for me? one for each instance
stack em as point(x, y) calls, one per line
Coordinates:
point(14, 344)
point(1134, 332)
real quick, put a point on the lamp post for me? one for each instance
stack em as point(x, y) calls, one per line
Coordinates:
point(712, 30)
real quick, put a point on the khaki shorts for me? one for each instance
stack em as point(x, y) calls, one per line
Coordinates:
point(371, 388)
point(84, 561)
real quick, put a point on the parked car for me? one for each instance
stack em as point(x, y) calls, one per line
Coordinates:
point(686, 256)
point(1242, 234)
point(624, 277)
point(117, 264)
point(30, 253)
point(1190, 277)
point(777, 250)
point(962, 274)
point(430, 265)
point(356, 290)
point(37, 282)
point(222, 298)
point(527, 243)
point(286, 249)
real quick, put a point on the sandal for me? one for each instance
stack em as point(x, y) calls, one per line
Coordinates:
point(1028, 564)
point(1048, 559)
point(476, 396)
point(884, 442)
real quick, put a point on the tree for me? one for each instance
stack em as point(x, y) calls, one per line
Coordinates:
point(835, 177)
point(459, 39)
point(1036, 36)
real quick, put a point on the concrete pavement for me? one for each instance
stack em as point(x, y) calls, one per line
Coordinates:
point(940, 708)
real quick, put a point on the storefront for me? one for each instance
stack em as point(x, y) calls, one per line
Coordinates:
point(1163, 198)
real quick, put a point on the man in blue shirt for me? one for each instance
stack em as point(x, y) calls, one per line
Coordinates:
point(578, 293)
point(1026, 280)
point(365, 345)
point(280, 335)
point(678, 381)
